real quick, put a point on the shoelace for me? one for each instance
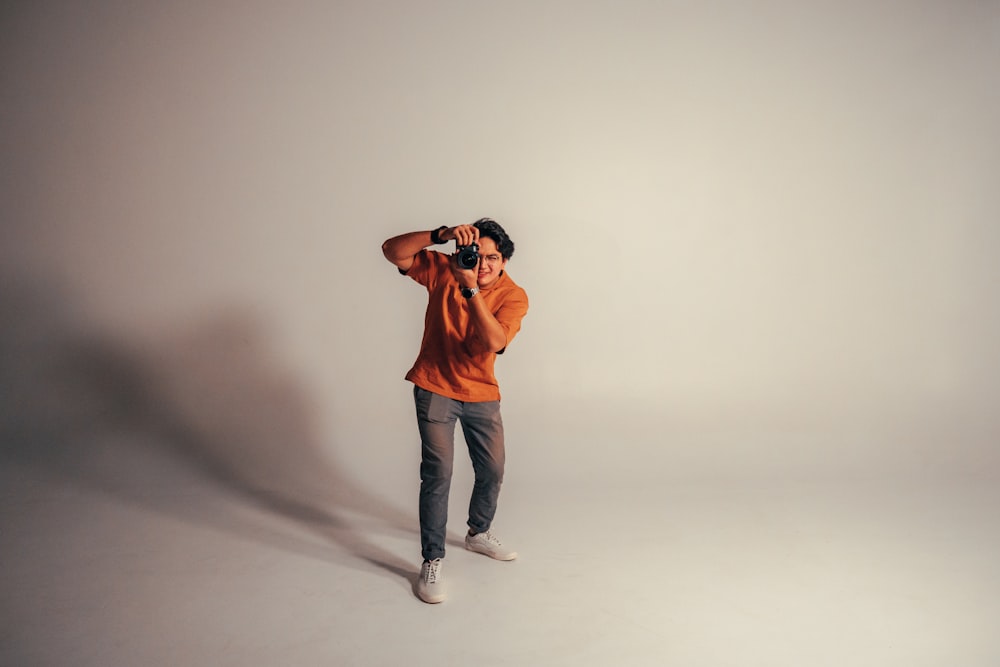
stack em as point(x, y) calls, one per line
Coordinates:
point(431, 571)
point(491, 538)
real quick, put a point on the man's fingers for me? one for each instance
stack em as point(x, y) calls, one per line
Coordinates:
point(466, 234)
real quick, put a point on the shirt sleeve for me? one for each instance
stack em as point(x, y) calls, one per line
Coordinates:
point(426, 268)
point(509, 315)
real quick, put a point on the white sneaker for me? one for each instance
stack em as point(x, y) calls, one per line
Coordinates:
point(488, 544)
point(430, 589)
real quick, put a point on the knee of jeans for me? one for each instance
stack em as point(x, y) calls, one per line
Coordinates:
point(490, 474)
point(435, 471)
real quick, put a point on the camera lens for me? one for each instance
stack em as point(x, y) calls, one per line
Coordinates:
point(468, 256)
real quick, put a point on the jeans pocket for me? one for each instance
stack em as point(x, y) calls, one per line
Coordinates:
point(432, 407)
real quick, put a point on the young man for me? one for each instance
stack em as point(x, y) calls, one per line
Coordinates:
point(474, 310)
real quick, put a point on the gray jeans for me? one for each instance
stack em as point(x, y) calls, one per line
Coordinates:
point(483, 430)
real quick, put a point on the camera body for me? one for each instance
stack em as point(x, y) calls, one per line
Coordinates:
point(467, 256)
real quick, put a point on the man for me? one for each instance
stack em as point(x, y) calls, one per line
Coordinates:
point(474, 310)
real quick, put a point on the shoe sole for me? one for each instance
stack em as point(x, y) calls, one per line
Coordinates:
point(431, 600)
point(508, 557)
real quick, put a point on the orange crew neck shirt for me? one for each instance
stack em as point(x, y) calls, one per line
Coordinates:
point(452, 361)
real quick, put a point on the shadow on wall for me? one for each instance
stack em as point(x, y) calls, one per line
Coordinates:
point(203, 425)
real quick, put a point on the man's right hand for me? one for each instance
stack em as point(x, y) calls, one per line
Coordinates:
point(461, 234)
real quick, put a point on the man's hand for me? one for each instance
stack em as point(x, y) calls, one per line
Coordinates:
point(461, 234)
point(465, 277)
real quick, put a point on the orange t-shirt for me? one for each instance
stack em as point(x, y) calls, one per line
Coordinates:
point(453, 362)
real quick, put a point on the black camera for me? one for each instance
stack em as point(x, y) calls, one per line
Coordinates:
point(467, 256)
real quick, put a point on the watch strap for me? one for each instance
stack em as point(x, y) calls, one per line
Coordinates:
point(436, 235)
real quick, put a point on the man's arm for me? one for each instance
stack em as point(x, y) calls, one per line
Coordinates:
point(482, 323)
point(485, 326)
point(400, 249)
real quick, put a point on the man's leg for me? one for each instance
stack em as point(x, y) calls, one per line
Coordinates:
point(436, 416)
point(483, 429)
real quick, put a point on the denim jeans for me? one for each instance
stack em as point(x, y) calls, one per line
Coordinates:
point(483, 430)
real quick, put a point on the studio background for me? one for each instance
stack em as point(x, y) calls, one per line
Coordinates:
point(759, 240)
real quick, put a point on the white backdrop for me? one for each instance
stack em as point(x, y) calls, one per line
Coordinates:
point(758, 238)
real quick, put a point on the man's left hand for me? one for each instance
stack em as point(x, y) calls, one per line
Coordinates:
point(465, 277)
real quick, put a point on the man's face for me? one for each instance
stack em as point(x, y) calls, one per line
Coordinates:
point(491, 263)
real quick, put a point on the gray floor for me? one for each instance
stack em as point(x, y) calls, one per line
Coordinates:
point(129, 556)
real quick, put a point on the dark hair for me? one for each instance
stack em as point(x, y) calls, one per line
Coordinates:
point(491, 229)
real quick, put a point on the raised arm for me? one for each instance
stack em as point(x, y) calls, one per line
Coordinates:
point(400, 249)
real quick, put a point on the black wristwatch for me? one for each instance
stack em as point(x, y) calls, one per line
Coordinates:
point(469, 292)
point(436, 235)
